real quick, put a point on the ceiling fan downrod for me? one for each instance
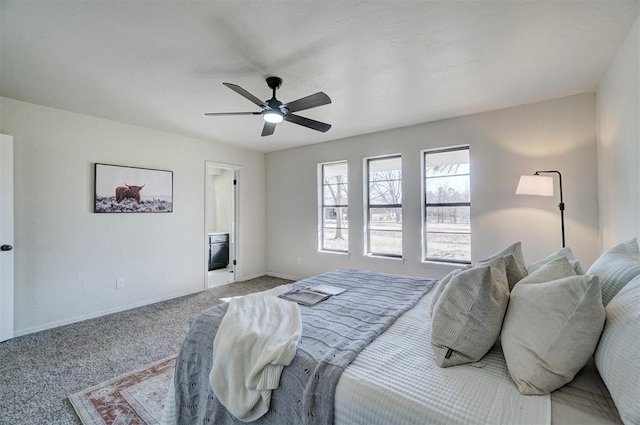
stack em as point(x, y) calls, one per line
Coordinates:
point(274, 84)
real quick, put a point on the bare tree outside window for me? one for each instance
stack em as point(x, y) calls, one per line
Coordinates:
point(337, 186)
point(386, 188)
point(334, 216)
point(447, 212)
point(384, 206)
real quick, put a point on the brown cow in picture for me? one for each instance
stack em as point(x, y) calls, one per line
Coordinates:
point(126, 191)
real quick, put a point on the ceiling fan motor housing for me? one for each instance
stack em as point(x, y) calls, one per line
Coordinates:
point(274, 82)
point(274, 104)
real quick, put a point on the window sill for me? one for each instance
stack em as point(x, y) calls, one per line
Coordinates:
point(383, 258)
point(346, 254)
point(442, 265)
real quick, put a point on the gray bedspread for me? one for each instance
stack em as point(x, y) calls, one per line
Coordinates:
point(333, 333)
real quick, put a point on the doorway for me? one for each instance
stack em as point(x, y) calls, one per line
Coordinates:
point(6, 237)
point(221, 214)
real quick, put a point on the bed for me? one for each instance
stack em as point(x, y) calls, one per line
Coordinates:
point(394, 379)
point(378, 389)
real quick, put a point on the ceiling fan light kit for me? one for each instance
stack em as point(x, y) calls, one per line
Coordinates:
point(273, 117)
point(274, 111)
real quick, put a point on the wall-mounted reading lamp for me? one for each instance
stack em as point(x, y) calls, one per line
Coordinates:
point(542, 186)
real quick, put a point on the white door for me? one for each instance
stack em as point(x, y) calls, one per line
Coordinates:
point(6, 237)
point(233, 237)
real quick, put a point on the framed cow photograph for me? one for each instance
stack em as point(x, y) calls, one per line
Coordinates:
point(120, 189)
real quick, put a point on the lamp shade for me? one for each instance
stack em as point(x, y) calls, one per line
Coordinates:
point(535, 185)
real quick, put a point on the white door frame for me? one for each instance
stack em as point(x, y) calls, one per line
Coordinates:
point(235, 231)
point(6, 237)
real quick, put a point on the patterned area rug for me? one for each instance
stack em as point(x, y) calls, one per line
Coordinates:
point(135, 398)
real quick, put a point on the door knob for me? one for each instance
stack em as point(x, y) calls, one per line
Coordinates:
point(6, 248)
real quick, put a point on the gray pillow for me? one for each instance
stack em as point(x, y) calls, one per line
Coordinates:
point(553, 270)
point(468, 315)
point(564, 252)
point(550, 331)
point(616, 267)
point(437, 292)
point(618, 353)
point(513, 262)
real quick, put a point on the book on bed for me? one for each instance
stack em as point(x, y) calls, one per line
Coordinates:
point(312, 296)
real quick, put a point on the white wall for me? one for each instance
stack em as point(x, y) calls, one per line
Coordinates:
point(619, 145)
point(67, 258)
point(211, 202)
point(553, 135)
point(224, 207)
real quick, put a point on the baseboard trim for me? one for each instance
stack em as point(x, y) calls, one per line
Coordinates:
point(283, 276)
point(253, 276)
point(76, 319)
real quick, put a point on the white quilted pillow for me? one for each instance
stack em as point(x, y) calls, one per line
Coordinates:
point(550, 331)
point(553, 270)
point(564, 252)
point(615, 267)
point(618, 354)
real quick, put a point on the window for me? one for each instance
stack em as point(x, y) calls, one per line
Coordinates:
point(384, 206)
point(447, 208)
point(334, 211)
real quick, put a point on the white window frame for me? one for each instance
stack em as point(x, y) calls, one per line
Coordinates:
point(322, 206)
point(424, 204)
point(367, 209)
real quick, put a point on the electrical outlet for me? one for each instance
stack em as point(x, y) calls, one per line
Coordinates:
point(298, 260)
point(119, 282)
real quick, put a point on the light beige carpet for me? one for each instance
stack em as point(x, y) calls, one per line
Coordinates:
point(38, 371)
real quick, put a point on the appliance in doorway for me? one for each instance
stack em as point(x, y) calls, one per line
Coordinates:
point(218, 251)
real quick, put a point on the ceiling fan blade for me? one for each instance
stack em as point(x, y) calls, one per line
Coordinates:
point(268, 129)
point(213, 114)
point(313, 124)
point(311, 101)
point(246, 94)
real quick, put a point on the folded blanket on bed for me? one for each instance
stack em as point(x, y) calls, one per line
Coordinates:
point(256, 339)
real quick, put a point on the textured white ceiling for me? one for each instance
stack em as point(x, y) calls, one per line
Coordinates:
point(387, 64)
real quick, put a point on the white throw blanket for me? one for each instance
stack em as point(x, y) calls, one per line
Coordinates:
point(257, 338)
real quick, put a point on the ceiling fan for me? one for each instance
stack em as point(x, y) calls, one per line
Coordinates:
point(274, 111)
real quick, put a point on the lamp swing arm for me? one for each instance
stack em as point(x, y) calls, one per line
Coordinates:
point(561, 205)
